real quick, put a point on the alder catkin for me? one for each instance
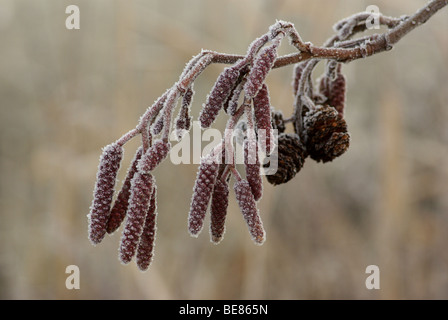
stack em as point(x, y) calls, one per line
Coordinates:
point(145, 249)
point(336, 97)
point(248, 207)
point(104, 191)
point(262, 115)
point(118, 211)
point(218, 210)
point(202, 192)
point(139, 202)
point(154, 156)
point(218, 95)
point(252, 165)
point(260, 69)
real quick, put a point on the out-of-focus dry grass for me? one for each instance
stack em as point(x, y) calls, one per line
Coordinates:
point(65, 94)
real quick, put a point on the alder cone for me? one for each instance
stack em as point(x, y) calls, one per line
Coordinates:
point(290, 156)
point(277, 121)
point(326, 136)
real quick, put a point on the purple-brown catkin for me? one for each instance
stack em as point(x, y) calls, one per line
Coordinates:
point(218, 95)
point(104, 191)
point(260, 69)
point(323, 87)
point(157, 127)
point(336, 97)
point(298, 70)
point(183, 121)
point(248, 207)
point(252, 164)
point(153, 156)
point(262, 114)
point(218, 210)
point(139, 203)
point(231, 104)
point(118, 211)
point(202, 192)
point(145, 249)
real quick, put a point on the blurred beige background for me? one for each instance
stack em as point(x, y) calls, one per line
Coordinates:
point(66, 93)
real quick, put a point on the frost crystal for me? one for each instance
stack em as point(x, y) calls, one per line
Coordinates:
point(218, 210)
point(120, 206)
point(249, 210)
point(139, 203)
point(202, 192)
point(154, 156)
point(218, 95)
point(104, 191)
point(260, 69)
point(145, 249)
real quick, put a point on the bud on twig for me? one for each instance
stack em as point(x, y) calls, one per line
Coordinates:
point(104, 191)
point(183, 121)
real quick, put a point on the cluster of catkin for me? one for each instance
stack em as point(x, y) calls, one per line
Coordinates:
point(242, 93)
point(246, 78)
